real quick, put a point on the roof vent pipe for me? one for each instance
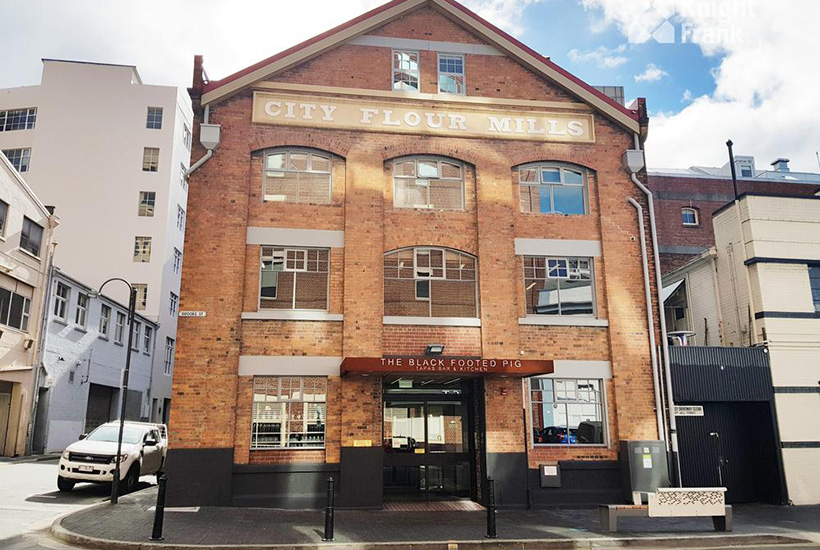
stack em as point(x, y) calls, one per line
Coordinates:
point(781, 164)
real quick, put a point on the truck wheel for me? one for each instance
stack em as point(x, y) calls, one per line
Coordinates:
point(132, 479)
point(64, 485)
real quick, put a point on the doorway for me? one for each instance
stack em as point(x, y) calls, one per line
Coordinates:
point(428, 439)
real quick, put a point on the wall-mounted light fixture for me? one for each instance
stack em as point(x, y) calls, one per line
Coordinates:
point(434, 349)
point(27, 343)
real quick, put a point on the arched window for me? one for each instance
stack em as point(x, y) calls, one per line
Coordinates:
point(690, 216)
point(428, 182)
point(297, 175)
point(430, 282)
point(552, 189)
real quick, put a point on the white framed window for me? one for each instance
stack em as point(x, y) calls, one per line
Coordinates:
point(173, 304)
point(18, 119)
point(169, 356)
point(154, 119)
point(147, 204)
point(4, 213)
point(186, 136)
point(428, 183)
point(451, 73)
point(814, 285)
point(559, 286)
point(289, 412)
point(405, 70)
point(105, 320)
point(142, 295)
point(430, 282)
point(552, 189)
point(31, 237)
point(142, 249)
point(15, 309)
point(177, 260)
point(294, 278)
point(19, 158)
point(147, 340)
point(81, 313)
point(136, 330)
point(568, 411)
point(180, 218)
point(297, 175)
point(150, 159)
point(183, 181)
point(119, 327)
point(61, 297)
point(690, 216)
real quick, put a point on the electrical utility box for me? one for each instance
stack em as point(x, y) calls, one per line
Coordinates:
point(644, 467)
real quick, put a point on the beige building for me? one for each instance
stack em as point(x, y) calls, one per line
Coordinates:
point(760, 285)
point(25, 256)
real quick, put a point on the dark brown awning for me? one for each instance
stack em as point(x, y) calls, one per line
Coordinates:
point(461, 366)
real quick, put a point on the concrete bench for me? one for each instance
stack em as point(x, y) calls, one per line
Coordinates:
point(676, 503)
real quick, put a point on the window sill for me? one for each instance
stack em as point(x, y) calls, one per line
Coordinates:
point(61, 321)
point(255, 449)
point(292, 315)
point(554, 214)
point(29, 254)
point(433, 321)
point(118, 343)
point(557, 320)
point(570, 445)
point(81, 329)
point(101, 337)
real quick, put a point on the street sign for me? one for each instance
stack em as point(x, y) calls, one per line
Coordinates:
point(192, 314)
point(688, 410)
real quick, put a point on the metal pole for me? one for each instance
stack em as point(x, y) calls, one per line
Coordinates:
point(732, 166)
point(159, 510)
point(491, 530)
point(329, 511)
point(132, 303)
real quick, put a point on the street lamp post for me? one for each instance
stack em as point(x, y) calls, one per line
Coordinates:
point(132, 304)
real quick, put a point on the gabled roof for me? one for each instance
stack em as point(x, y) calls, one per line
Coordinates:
point(13, 174)
point(222, 89)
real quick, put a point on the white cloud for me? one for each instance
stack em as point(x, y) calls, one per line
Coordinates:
point(762, 99)
point(653, 73)
point(687, 96)
point(602, 56)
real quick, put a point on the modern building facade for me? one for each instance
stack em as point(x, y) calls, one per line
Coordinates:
point(765, 291)
point(428, 272)
point(110, 152)
point(83, 356)
point(685, 200)
point(26, 237)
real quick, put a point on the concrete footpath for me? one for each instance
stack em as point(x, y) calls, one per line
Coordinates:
point(128, 526)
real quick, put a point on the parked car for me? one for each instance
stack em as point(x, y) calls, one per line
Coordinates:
point(553, 434)
point(91, 459)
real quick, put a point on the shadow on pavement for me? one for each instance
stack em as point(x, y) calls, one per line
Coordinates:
point(83, 493)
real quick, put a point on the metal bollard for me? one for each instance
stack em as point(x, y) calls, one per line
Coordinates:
point(491, 532)
point(329, 511)
point(159, 510)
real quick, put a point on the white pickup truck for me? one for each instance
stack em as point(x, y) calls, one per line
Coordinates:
point(91, 459)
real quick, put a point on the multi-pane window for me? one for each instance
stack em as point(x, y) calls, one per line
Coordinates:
point(105, 320)
point(814, 283)
point(552, 189)
point(428, 183)
point(169, 356)
point(31, 236)
point(136, 330)
point(142, 249)
point(81, 313)
point(177, 260)
point(173, 304)
point(430, 282)
point(147, 337)
point(18, 119)
point(183, 181)
point(180, 218)
point(4, 212)
point(450, 73)
point(14, 309)
point(150, 159)
point(186, 136)
point(19, 158)
point(147, 204)
point(289, 412)
point(142, 295)
point(567, 411)
point(297, 176)
point(154, 120)
point(405, 70)
point(119, 327)
point(294, 278)
point(61, 296)
point(558, 286)
point(689, 216)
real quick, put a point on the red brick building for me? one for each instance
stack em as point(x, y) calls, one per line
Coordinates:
point(416, 267)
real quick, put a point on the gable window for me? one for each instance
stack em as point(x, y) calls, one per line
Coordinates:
point(150, 159)
point(105, 320)
point(154, 120)
point(81, 313)
point(142, 249)
point(147, 204)
point(294, 278)
point(558, 286)
point(18, 119)
point(297, 176)
point(14, 309)
point(119, 327)
point(406, 70)
point(552, 189)
point(61, 301)
point(689, 216)
point(31, 237)
point(4, 212)
point(567, 411)
point(428, 183)
point(814, 283)
point(289, 412)
point(450, 73)
point(19, 158)
point(430, 282)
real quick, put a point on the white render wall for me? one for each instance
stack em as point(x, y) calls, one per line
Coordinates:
point(86, 160)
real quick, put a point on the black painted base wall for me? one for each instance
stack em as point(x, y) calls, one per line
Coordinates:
point(290, 486)
point(509, 470)
point(199, 477)
point(362, 477)
point(583, 483)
